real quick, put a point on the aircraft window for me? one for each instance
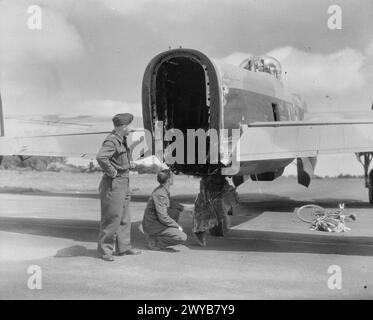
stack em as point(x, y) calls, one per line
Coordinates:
point(276, 116)
point(263, 64)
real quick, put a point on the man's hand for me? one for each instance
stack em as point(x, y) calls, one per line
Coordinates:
point(180, 228)
point(113, 175)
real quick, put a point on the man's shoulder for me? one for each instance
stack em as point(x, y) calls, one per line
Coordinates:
point(111, 137)
point(159, 191)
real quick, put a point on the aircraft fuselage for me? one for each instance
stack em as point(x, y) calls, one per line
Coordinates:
point(184, 89)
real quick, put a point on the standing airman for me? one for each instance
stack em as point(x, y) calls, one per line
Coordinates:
point(114, 159)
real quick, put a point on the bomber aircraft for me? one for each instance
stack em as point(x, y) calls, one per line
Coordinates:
point(184, 91)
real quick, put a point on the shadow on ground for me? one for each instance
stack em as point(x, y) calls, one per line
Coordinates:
point(260, 202)
point(235, 240)
point(253, 201)
point(135, 197)
point(77, 251)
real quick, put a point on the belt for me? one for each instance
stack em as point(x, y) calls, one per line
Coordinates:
point(122, 173)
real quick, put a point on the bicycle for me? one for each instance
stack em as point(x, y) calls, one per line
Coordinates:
point(323, 219)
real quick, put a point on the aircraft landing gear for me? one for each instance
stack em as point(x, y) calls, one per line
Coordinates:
point(214, 205)
point(365, 158)
point(221, 229)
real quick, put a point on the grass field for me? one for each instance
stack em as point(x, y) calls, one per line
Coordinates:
point(33, 181)
point(347, 190)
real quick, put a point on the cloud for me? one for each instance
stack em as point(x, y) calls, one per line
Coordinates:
point(334, 73)
point(125, 7)
point(57, 40)
point(369, 50)
point(160, 10)
point(339, 80)
point(46, 70)
point(235, 58)
point(31, 60)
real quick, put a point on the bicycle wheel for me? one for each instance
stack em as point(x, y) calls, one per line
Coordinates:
point(309, 212)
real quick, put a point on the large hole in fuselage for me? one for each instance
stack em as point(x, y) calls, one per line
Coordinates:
point(180, 102)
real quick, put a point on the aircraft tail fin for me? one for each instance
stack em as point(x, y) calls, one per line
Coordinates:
point(306, 167)
point(1, 119)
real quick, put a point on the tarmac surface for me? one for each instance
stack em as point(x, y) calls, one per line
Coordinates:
point(268, 253)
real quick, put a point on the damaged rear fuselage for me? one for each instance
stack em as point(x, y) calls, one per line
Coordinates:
point(184, 89)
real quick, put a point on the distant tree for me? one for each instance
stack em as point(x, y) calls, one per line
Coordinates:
point(32, 163)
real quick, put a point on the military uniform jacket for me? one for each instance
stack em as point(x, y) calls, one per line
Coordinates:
point(156, 218)
point(114, 155)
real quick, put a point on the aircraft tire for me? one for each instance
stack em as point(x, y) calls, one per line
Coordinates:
point(221, 229)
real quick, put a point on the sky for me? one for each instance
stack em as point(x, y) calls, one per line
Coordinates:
point(89, 56)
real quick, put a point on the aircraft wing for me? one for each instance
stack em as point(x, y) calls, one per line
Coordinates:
point(81, 145)
point(296, 139)
point(259, 141)
point(77, 145)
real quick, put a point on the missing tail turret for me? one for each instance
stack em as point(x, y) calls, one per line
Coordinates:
point(180, 92)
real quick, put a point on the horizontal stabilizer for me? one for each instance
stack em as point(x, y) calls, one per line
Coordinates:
point(281, 140)
point(306, 123)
